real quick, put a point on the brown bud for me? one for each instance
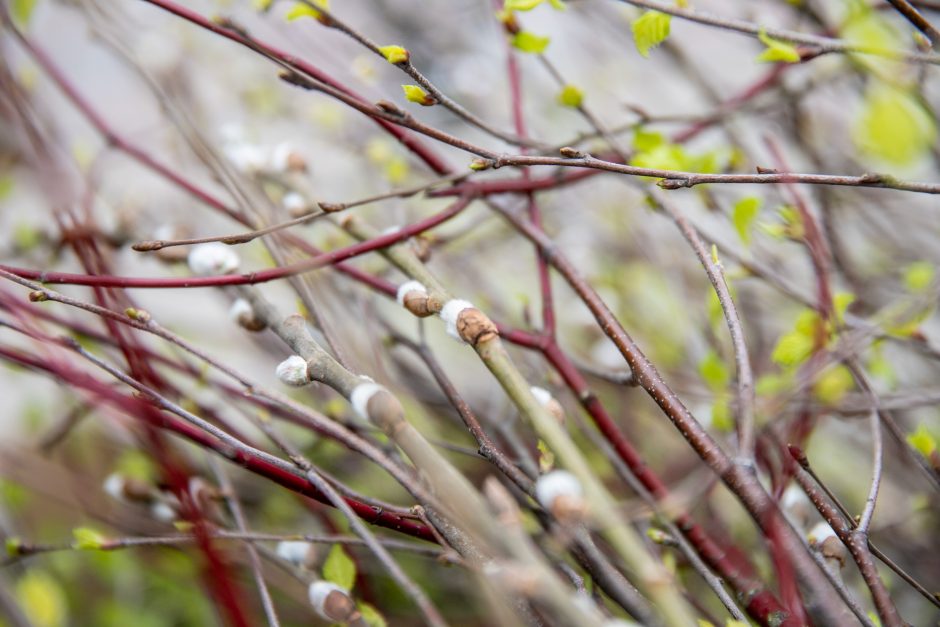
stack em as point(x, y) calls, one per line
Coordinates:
point(569, 508)
point(331, 207)
point(832, 548)
point(296, 162)
point(474, 326)
point(339, 607)
point(250, 322)
point(421, 245)
point(137, 490)
point(556, 410)
point(571, 153)
point(416, 302)
point(148, 245)
point(387, 106)
point(38, 296)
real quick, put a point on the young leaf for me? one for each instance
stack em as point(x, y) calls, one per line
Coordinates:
point(339, 568)
point(833, 384)
point(713, 371)
point(743, 215)
point(521, 5)
point(302, 9)
point(644, 141)
point(394, 54)
point(777, 51)
point(650, 30)
point(87, 539)
point(371, 616)
point(415, 94)
point(570, 96)
point(893, 126)
point(919, 276)
point(530, 42)
point(922, 441)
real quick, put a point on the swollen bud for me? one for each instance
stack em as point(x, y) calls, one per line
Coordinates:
point(413, 296)
point(297, 552)
point(243, 313)
point(212, 258)
point(546, 400)
point(293, 371)
point(561, 493)
point(332, 602)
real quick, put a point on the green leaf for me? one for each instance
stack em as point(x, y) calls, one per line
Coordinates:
point(394, 54)
point(371, 616)
point(87, 539)
point(840, 303)
point(22, 10)
point(530, 42)
point(721, 415)
point(650, 30)
point(893, 126)
point(42, 598)
point(794, 347)
point(714, 372)
point(13, 546)
point(833, 384)
point(521, 5)
point(546, 457)
point(415, 94)
point(339, 568)
point(558, 5)
point(644, 141)
point(663, 157)
point(570, 96)
point(777, 51)
point(919, 276)
point(922, 441)
point(743, 215)
point(301, 9)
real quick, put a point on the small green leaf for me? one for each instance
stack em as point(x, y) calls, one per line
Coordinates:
point(558, 5)
point(570, 96)
point(546, 457)
point(833, 384)
point(371, 616)
point(521, 5)
point(644, 141)
point(893, 126)
point(530, 42)
point(922, 441)
point(13, 546)
point(743, 215)
point(302, 9)
point(415, 94)
point(777, 51)
point(339, 568)
point(23, 10)
point(721, 415)
point(794, 347)
point(919, 276)
point(840, 304)
point(87, 539)
point(650, 30)
point(714, 372)
point(395, 54)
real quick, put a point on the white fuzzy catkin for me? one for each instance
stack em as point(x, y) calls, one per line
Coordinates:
point(554, 484)
point(293, 371)
point(294, 551)
point(113, 486)
point(318, 593)
point(360, 396)
point(280, 157)
point(543, 396)
point(294, 202)
point(162, 512)
point(239, 308)
point(450, 312)
point(820, 533)
point(409, 286)
point(212, 258)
